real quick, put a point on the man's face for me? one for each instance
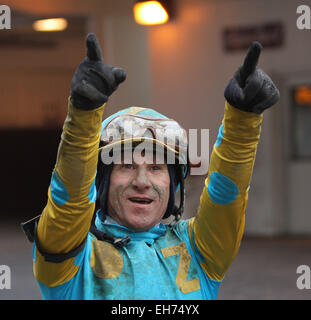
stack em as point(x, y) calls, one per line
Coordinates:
point(138, 194)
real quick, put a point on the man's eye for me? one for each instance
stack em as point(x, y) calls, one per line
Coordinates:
point(155, 168)
point(127, 166)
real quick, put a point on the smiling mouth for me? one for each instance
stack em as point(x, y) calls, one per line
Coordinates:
point(141, 200)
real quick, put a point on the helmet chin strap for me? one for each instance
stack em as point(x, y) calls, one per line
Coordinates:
point(178, 211)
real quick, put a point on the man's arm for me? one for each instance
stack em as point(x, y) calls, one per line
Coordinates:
point(217, 229)
point(66, 219)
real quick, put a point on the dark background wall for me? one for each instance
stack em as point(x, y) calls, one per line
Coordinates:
point(28, 158)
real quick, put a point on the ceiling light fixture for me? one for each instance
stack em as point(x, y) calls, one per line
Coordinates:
point(45, 25)
point(151, 12)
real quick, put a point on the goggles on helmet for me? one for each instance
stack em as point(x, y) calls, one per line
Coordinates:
point(166, 135)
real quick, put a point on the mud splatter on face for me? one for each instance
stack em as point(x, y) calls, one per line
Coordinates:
point(160, 191)
point(131, 182)
point(114, 204)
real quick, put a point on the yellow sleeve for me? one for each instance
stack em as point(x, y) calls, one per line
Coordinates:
point(218, 226)
point(66, 219)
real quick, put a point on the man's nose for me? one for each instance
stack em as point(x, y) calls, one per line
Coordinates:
point(141, 180)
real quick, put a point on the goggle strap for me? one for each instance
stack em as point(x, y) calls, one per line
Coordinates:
point(179, 211)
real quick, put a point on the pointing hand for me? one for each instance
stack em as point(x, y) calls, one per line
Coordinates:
point(251, 89)
point(94, 81)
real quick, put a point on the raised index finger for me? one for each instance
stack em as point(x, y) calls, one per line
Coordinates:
point(93, 50)
point(251, 60)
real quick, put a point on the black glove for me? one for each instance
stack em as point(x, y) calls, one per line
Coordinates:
point(94, 81)
point(251, 89)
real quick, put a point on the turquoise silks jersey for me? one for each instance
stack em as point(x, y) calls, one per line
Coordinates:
point(186, 261)
point(163, 256)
